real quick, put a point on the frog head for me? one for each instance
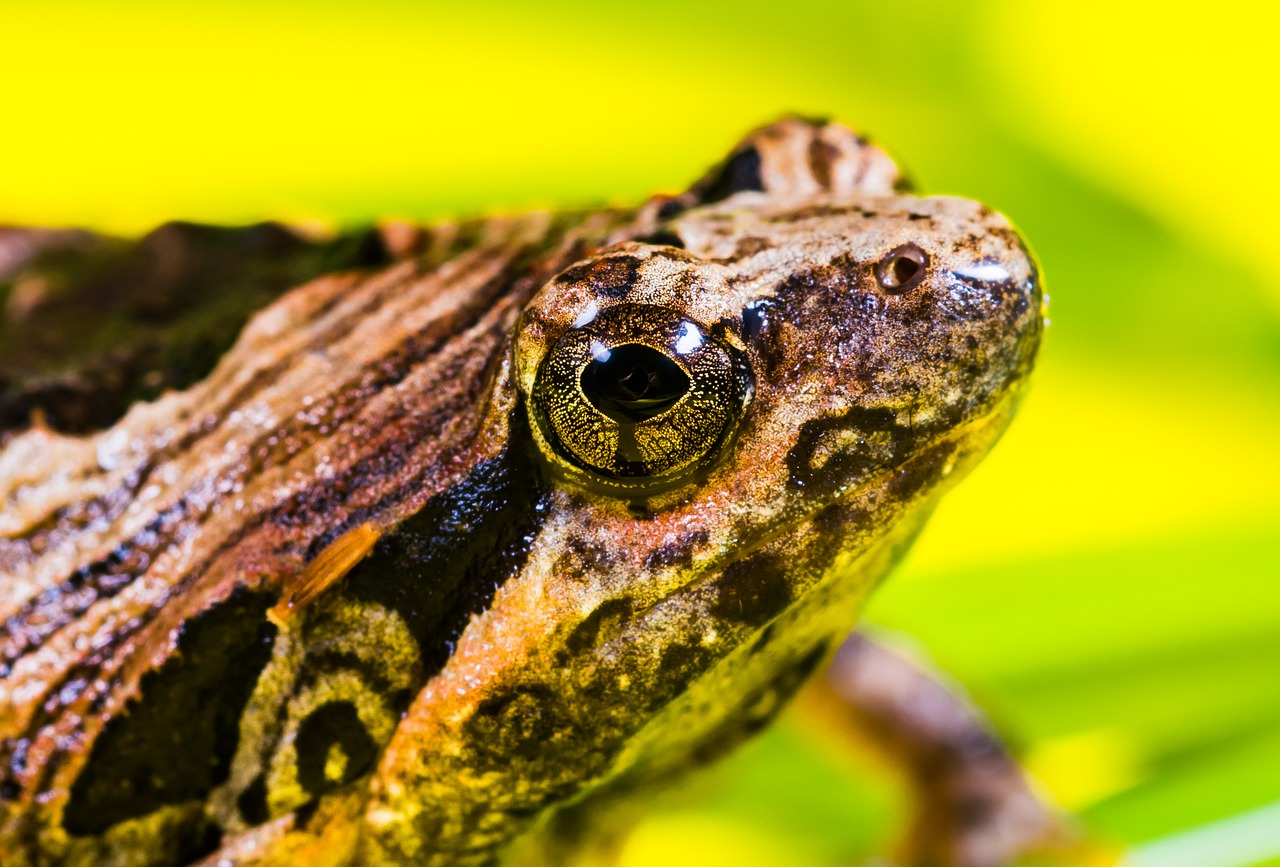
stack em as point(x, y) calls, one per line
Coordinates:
point(743, 410)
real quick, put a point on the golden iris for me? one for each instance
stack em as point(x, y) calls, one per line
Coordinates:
point(640, 395)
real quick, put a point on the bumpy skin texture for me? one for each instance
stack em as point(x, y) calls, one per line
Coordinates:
point(92, 324)
point(522, 636)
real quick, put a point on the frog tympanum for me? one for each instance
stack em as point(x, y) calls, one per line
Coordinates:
point(579, 501)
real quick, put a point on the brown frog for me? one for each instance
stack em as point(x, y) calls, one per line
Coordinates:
point(453, 559)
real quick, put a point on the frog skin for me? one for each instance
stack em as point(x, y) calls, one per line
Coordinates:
point(578, 584)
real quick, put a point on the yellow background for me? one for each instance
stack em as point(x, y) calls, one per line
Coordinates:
point(1107, 584)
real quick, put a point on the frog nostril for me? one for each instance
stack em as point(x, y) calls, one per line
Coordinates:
point(902, 269)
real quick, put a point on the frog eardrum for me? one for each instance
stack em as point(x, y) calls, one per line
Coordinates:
point(639, 396)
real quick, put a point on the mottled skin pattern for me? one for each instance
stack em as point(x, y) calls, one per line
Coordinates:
point(527, 647)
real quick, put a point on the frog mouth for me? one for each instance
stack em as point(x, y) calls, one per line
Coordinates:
point(855, 517)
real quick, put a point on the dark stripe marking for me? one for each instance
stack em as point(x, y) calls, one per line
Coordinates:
point(175, 741)
point(57, 606)
point(845, 463)
point(612, 276)
point(335, 724)
point(752, 590)
point(740, 172)
point(822, 159)
point(445, 562)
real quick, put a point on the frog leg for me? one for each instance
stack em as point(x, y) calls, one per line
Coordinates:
point(973, 805)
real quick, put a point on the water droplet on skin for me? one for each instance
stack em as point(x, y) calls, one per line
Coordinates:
point(689, 339)
point(588, 314)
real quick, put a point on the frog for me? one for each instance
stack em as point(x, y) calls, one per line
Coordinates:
point(459, 553)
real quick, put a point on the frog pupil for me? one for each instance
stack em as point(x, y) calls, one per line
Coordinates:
point(633, 383)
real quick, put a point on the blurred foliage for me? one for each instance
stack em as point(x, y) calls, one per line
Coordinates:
point(1105, 584)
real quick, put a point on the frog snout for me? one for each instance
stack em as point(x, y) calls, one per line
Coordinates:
point(1002, 301)
point(1008, 289)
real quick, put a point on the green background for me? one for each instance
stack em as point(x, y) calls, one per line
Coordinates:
point(1107, 584)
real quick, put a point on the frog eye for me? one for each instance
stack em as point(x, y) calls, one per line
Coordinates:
point(640, 397)
point(903, 269)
